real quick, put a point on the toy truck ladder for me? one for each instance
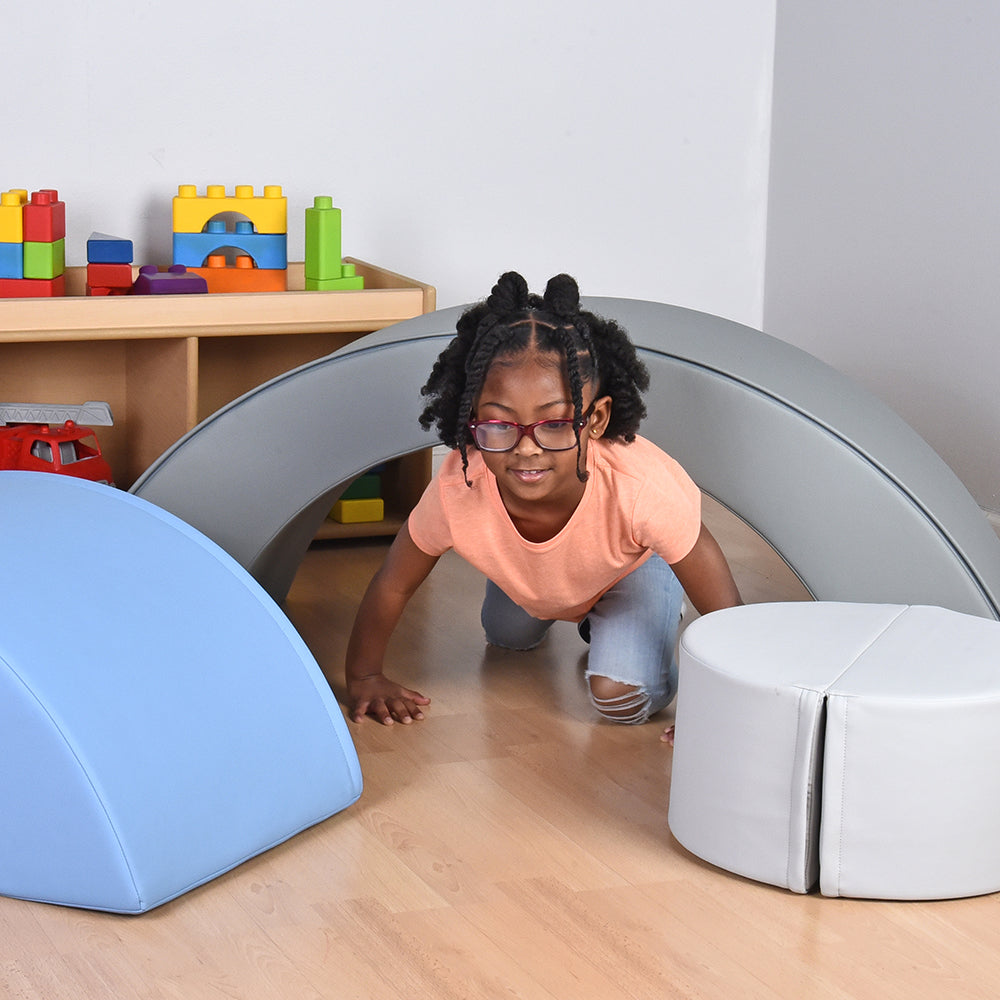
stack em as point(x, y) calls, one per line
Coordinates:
point(91, 412)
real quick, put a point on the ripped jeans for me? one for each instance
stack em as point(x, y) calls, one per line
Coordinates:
point(632, 632)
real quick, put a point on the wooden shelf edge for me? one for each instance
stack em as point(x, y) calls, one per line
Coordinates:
point(331, 531)
point(390, 299)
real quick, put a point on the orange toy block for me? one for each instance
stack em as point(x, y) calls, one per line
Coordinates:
point(244, 277)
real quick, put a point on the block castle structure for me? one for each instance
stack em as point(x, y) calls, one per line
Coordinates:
point(245, 254)
point(32, 244)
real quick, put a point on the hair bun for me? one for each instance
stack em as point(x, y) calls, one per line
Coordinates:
point(509, 295)
point(562, 295)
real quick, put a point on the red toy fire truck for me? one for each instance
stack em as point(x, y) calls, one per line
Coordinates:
point(39, 438)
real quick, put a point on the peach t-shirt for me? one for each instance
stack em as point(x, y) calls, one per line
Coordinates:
point(637, 500)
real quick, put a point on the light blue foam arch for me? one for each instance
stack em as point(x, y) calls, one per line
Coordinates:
point(856, 503)
point(161, 721)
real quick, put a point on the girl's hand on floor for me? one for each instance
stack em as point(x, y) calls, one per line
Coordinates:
point(384, 700)
point(667, 736)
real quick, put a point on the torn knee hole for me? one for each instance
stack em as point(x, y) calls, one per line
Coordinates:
point(618, 701)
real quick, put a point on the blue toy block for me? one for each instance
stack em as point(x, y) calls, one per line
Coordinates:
point(183, 730)
point(268, 250)
point(103, 249)
point(11, 260)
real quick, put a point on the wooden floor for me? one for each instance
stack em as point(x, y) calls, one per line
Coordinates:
point(508, 846)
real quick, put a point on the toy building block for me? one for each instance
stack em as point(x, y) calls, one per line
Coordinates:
point(325, 269)
point(44, 217)
point(30, 288)
point(269, 214)
point(44, 260)
point(176, 280)
point(269, 250)
point(242, 276)
point(347, 284)
point(358, 511)
point(11, 260)
point(365, 487)
point(323, 239)
point(104, 249)
point(109, 276)
point(12, 215)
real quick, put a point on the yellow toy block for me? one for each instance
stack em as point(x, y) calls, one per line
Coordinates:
point(12, 215)
point(358, 511)
point(269, 214)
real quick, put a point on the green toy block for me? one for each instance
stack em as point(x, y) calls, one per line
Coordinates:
point(323, 240)
point(365, 487)
point(334, 284)
point(44, 260)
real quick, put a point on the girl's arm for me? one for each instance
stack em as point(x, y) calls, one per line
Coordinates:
point(369, 691)
point(705, 576)
point(708, 582)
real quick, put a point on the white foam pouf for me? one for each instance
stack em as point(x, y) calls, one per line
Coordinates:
point(853, 745)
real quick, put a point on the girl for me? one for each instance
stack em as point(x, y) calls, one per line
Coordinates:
point(551, 494)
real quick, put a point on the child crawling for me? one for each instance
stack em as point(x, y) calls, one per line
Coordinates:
point(549, 492)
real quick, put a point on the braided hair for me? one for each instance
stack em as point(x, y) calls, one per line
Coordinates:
point(513, 320)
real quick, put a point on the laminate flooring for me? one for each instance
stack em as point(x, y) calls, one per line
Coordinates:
point(509, 846)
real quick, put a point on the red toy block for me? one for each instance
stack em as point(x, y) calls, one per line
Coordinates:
point(44, 217)
point(31, 288)
point(109, 275)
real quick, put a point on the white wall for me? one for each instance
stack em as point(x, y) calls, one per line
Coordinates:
point(883, 253)
point(625, 143)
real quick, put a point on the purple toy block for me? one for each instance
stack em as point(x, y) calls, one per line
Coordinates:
point(174, 281)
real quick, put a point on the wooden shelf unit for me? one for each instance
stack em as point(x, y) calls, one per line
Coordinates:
point(166, 362)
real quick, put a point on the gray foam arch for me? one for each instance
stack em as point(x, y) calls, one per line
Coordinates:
point(856, 503)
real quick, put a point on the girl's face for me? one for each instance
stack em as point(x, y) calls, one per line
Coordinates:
point(524, 389)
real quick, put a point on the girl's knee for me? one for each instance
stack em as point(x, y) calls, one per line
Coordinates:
point(618, 701)
point(520, 636)
point(508, 625)
point(516, 644)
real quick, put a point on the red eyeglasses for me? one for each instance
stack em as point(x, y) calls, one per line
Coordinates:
point(549, 435)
